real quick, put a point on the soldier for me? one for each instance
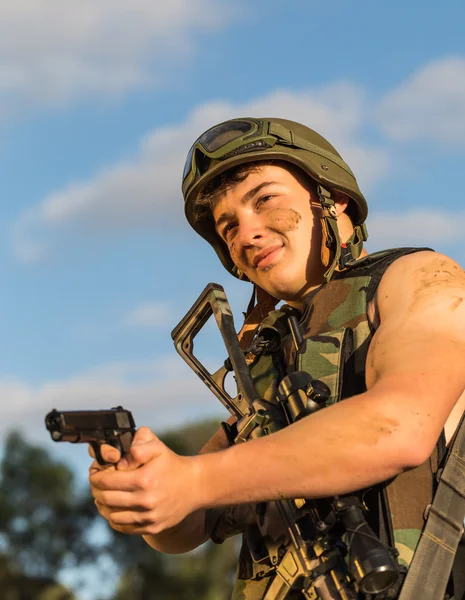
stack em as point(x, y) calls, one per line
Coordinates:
point(385, 332)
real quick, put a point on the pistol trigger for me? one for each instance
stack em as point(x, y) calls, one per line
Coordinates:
point(98, 454)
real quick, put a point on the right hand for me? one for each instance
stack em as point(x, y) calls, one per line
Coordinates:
point(147, 491)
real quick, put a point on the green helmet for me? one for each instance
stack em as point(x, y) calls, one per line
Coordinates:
point(248, 140)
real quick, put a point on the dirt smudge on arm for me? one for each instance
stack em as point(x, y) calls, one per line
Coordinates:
point(436, 277)
point(458, 301)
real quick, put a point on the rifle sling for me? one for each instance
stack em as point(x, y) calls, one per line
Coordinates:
point(434, 556)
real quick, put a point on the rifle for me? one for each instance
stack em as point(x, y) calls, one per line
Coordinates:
point(311, 559)
point(115, 427)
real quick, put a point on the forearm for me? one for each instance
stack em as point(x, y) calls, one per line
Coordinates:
point(349, 446)
point(187, 535)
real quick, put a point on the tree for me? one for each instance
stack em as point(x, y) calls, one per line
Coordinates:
point(47, 524)
point(43, 519)
point(17, 586)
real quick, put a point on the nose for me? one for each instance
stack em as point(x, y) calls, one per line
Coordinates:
point(250, 230)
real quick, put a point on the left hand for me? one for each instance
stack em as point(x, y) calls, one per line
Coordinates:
point(152, 488)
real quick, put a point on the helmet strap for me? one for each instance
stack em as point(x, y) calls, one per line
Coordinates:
point(352, 249)
point(335, 255)
point(330, 242)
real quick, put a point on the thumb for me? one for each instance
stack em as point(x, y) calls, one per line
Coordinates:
point(143, 435)
point(145, 446)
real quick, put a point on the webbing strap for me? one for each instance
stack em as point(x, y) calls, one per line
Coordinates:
point(432, 562)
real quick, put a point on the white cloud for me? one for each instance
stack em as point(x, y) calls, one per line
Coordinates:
point(419, 227)
point(55, 52)
point(161, 393)
point(150, 314)
point(428, 105)
point(145, 191)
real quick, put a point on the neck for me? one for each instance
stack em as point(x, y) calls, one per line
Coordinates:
point(312, 286)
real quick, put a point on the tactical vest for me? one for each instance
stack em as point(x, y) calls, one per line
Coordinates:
point(337, 334)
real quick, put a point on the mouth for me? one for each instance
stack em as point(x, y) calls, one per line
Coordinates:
point(266, 256)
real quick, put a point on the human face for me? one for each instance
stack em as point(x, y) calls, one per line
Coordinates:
point(270, 225)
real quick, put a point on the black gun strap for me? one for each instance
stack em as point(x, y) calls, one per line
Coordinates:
point(433, 559)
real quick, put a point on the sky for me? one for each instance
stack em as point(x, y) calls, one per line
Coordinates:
point(100, 101)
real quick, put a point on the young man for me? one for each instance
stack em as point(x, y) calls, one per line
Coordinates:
point(385, 333)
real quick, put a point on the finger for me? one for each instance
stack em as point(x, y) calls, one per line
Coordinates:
point(148, 528)
point(112, 479)
point(132, 519)
point(142, 435)
point(145, 447)
point(129, 522)
point(118, 501)
point(95, 467)
point(110, 454)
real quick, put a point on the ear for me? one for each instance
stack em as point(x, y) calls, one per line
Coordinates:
point(341, 202)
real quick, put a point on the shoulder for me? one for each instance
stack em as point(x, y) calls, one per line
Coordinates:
point(418, 282)
point(419, 264)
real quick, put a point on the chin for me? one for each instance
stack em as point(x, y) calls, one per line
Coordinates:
point(281, 289)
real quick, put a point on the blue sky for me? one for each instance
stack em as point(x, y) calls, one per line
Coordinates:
point(100, 101)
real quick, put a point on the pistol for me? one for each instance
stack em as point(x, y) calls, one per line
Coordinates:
point(115, 427)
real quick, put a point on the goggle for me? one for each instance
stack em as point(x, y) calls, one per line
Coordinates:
point(236, 137)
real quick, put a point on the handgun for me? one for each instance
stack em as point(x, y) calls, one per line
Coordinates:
point(115, 427)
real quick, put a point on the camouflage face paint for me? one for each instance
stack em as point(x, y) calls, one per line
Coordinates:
point(283, 220)
point(278, 220)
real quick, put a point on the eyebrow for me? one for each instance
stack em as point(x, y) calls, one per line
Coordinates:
point(225, 216)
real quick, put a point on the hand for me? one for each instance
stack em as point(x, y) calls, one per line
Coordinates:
point(147, 491)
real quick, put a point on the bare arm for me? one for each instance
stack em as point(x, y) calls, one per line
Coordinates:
point(190, 533)
point(415, 377)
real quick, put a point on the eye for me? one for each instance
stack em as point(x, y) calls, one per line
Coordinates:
point(262, 199)
point(227, 229)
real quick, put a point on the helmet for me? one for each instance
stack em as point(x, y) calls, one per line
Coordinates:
point(247, 139)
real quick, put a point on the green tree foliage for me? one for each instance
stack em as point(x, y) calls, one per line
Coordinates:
point(17, 586)
point(206, 573)
point(43, 520)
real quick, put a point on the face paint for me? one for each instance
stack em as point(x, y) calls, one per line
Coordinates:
point(283, 220)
